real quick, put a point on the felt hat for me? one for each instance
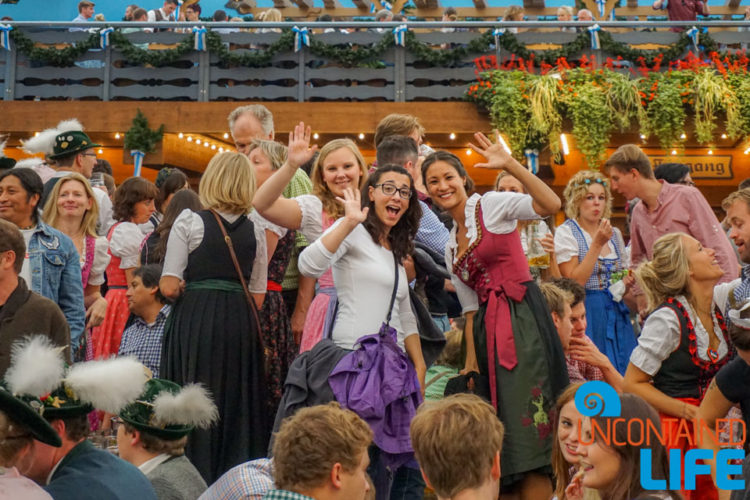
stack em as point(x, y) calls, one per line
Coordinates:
point(72, 141)
point(36, 367)
point(107, 384)
point(26, 411)
point(169, 412)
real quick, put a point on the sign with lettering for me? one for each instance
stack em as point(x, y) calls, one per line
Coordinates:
point(701, 167)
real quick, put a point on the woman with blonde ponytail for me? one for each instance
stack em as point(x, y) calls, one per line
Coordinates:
point(684, 341)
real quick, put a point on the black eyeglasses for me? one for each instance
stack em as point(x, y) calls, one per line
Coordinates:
point(390, 190)
point(116, 423)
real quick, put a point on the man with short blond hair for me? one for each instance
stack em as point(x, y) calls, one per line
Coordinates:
point(455, 464)
point(321, 453)
point(85, 14)
point(665, 208)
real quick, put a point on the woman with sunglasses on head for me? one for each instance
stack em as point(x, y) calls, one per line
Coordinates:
point(510, 337)
point(592, 252)
point(338, 166)
point(365, 249)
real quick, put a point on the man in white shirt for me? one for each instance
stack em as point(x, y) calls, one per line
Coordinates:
point(165, 13)
point(85, 13)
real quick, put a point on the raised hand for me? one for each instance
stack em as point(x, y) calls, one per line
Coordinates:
point(300, 151)
point(603, 232)
point(496, 155)
point(353, 211)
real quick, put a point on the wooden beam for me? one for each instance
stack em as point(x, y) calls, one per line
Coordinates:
point(362, 4)
point(303, 4)
point(533, 4)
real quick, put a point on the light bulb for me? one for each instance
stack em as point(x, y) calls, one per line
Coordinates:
point(190, 139)
point(226, 135)
point(117, 135)
point(453, 136)
point(198, 142)
point(468, 151)
point(180, 135)
point(316, 136)
point(213, 146)
point(683, 136)
point(674, 151)
point(361, 136)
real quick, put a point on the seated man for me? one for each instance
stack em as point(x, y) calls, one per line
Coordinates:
point(321, 453)
point(143, 338)
point(155, 431)
point(453, 466)
point(23, 312)
point(248, 481)
point(585, 361)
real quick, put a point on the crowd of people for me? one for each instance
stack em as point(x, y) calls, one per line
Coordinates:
point(282, 331)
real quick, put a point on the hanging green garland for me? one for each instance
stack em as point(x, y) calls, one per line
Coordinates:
point(350, 55)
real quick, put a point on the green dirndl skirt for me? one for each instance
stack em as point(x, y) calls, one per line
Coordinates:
point(527, 393)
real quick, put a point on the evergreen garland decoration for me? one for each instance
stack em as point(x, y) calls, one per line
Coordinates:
point(351, 55)
point(140, 137)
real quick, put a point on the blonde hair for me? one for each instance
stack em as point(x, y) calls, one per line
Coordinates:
point(397, 124)
point(90, 216)
point(228, 184)
point(312, 441)
point(512, 12)
point(320, 189)
point(502, 175)
point(271, 16)
point(274, 151)
point(577, 189)
point(560, 466)
point(568, 9)
point(741, 195)
point(667, 274)
point(556, 298)
point(450, 462)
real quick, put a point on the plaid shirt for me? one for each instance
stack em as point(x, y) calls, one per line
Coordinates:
point(581, 371)
point(299, 185)
point(432, 232)
point(144, 340)
point(285, 495)
point(248, 481)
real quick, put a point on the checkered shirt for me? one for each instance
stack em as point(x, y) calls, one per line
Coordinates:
point(248, 481)
point(144, 340)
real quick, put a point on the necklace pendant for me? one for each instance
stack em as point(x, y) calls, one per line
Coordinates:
point(465, 274)
point(713, 354)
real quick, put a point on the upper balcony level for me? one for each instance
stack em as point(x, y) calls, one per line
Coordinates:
point(342, 61)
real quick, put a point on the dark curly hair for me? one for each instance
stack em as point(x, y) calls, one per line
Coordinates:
point(130, 192)
point(401, 236)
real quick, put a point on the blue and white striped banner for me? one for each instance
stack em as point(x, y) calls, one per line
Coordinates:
point(137, 161)
point(5, 36)
point(594, 32)
point(693, 34)
point(200, 38)
point(301, 37)
point(177, 10)
point(497, 33)
point(532, 160)
point(104, 37)
point(601, 5)
point(399, 34)
point(372, 8)
point(387, 6)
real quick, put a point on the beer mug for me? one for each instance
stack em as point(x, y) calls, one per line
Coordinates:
point(536, 254)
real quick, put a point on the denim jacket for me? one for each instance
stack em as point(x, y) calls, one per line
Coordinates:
point(56, 274)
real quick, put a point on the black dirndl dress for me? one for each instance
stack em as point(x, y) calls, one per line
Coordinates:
point(212, 338)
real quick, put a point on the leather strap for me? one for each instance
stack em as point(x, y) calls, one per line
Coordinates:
point(395, 289)
point(248, 296)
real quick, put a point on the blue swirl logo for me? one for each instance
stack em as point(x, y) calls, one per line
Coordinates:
point(597, 398)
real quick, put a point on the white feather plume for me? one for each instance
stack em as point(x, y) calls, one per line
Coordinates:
point(191, 406)
point(36, 366)
point(45, 141)
point(108, 384)
point(69, 124)
point(29, 162)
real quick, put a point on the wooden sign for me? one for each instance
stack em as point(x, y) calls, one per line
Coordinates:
point(701, 167)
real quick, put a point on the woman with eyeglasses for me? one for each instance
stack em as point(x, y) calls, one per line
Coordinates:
point(510, 337)
point(338, 166)
point(365, 249)
point(592, 252)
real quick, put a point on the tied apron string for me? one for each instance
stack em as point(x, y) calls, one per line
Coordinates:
point(500, 330)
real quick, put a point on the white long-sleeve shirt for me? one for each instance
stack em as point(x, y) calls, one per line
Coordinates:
point(364, 274)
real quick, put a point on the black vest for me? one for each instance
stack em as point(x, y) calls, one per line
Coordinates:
point(212, 260)
point(683, 374)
